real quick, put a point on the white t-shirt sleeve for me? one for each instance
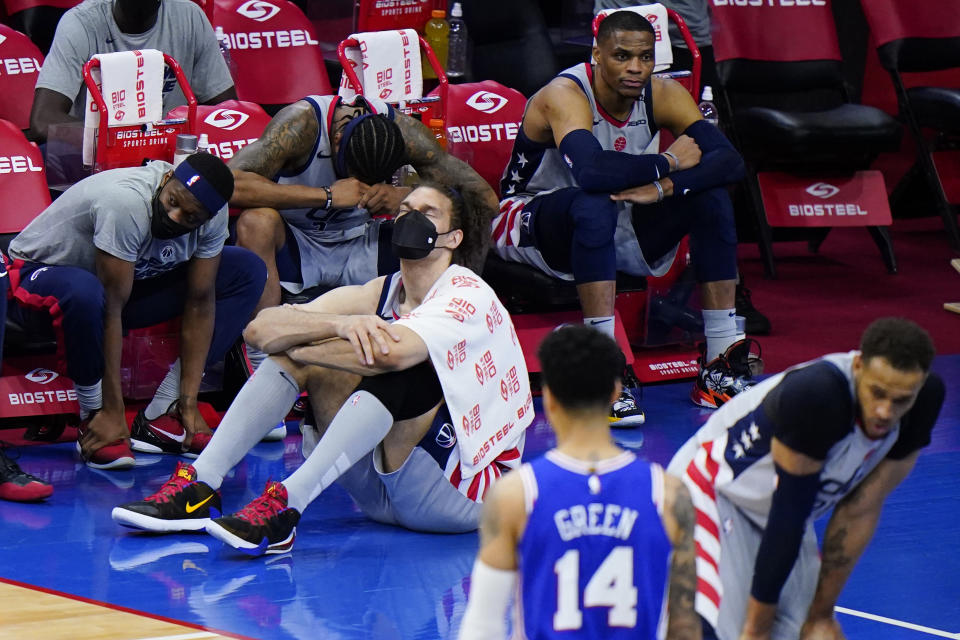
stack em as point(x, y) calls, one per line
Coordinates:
point(210, 75)
point(213, 235)
point(62, 69)
point(116, 227)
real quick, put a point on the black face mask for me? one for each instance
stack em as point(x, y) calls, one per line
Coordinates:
point(414, 236)
point(162, 226)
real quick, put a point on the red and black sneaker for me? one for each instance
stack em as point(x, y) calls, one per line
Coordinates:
point(18, 485)
point(727, 375)
point(113, 456)
point(165, 434)
point(183, 503)
point(266, 525)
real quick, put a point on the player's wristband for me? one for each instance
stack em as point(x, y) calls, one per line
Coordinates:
point(329, 203)
point(671, 156)
point(656, 183)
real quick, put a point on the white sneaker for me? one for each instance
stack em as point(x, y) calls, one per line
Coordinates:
point(276, 434)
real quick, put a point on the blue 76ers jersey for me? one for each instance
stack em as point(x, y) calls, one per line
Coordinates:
point(594, 561)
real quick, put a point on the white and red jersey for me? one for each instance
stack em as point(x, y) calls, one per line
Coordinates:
point(811, 408)
point(539, 168)
point(476, 354)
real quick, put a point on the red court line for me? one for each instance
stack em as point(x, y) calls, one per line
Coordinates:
point(116, 607)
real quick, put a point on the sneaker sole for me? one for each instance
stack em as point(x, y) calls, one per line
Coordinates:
point(123, 462)
point(136, 520)
point(631, 421)
point(276, 434)
point(247, 547)
point(702, 400)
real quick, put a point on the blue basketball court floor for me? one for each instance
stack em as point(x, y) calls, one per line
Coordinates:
point(349, 578)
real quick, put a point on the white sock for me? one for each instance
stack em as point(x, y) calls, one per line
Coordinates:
point(720, 328)
point(604, 324)
point(359, 426)
point(167, 393)
point(263, 401)
point(89, 397)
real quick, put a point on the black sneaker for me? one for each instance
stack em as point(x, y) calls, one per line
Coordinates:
point(625, 413)
point(726, 375)
point(165, 434)
point(756, 323)
point(18, 485)
point(265, 526)
point(182, 504)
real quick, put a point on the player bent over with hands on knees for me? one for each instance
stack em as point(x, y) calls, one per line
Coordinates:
point(601, 541)
point(840, 432)
point(398, 370)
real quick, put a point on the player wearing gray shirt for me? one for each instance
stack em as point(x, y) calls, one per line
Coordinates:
point(178, 28)
point(129, 248)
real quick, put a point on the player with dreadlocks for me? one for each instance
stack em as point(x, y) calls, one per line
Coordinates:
point(417, 381)
point(310, 184)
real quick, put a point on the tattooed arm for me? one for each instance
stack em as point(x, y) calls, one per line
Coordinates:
point(435, 164)
point(678, 521)
point(286, 145)
point(849, 532)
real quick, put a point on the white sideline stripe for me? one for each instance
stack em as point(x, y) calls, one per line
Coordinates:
point(183, 636)
point(898, 623)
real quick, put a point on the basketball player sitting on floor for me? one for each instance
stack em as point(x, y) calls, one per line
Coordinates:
point(407, 361)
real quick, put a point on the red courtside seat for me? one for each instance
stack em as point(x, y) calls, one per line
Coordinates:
point(805, 144)
point(37, 18)
point(20, 61)
point(916, 37)
point(30, 359)
point(230, 125)
point(275, 50)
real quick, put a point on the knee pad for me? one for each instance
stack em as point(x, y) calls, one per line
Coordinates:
point(594, 218)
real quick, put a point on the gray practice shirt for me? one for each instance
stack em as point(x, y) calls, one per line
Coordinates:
point(181, 31)
point(694, 12)
point(111, 211)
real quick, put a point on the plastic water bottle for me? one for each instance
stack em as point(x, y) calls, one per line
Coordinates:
point(707, 108)
point(457, 48)
point(186, 145)
point(437, 34)
point(224, 42)
point(203, 145)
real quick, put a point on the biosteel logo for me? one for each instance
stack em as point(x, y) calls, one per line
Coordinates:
point(226, 119)
point(486, 101)
point(822, 190)
point(258, 10)
point(42, 376)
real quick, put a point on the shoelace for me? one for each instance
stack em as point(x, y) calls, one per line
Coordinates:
point(262, 508)
point(9, 468)
point(171, 487)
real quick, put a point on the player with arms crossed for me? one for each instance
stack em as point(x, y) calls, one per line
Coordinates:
point(602, 541)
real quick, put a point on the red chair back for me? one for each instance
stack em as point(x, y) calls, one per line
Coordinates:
point(914, 36)
point(483, 119)
point(13, 6)
point(20, 62)
point(23, 181)
point(384, 15)
point(275, 50)
point(230, 125)
point(774, 33)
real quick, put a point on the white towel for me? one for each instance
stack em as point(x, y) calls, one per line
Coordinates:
point(132, 87)
point(390, 64)
point(657, 15)
point(476, 354)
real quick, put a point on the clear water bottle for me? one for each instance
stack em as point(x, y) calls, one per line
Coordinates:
point(224, 42)
point(186, 145)
point(707, 108)
point(457, 47)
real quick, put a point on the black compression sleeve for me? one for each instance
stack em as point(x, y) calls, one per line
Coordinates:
point(609, 171)
point(792, 504)
point(406, 394)
point(719, 165)
point(811, 409)
point(917, 425)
